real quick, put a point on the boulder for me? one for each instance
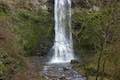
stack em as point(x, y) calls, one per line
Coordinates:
point(75, 62)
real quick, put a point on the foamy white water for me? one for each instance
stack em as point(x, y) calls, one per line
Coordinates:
point(63, 44)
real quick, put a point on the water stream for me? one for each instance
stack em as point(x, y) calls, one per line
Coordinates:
point(63, 44)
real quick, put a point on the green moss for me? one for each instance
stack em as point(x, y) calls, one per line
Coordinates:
point(32, 28)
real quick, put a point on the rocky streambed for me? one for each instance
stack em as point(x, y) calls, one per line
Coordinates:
point(61, 72)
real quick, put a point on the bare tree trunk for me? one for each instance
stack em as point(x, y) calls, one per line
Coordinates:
point(103, 45)
point(99, 61)
point(103, 70)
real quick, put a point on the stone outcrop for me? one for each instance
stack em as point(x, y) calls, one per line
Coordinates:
point(25, 4)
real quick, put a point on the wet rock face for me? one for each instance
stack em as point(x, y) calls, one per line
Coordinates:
point(80, 3)
point(50, 4)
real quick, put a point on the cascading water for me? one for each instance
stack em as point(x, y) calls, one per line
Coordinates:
point(63, 44)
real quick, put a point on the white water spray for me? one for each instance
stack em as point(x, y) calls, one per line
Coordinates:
point(63, 44)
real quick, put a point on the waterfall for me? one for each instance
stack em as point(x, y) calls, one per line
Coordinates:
point(63, 44)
